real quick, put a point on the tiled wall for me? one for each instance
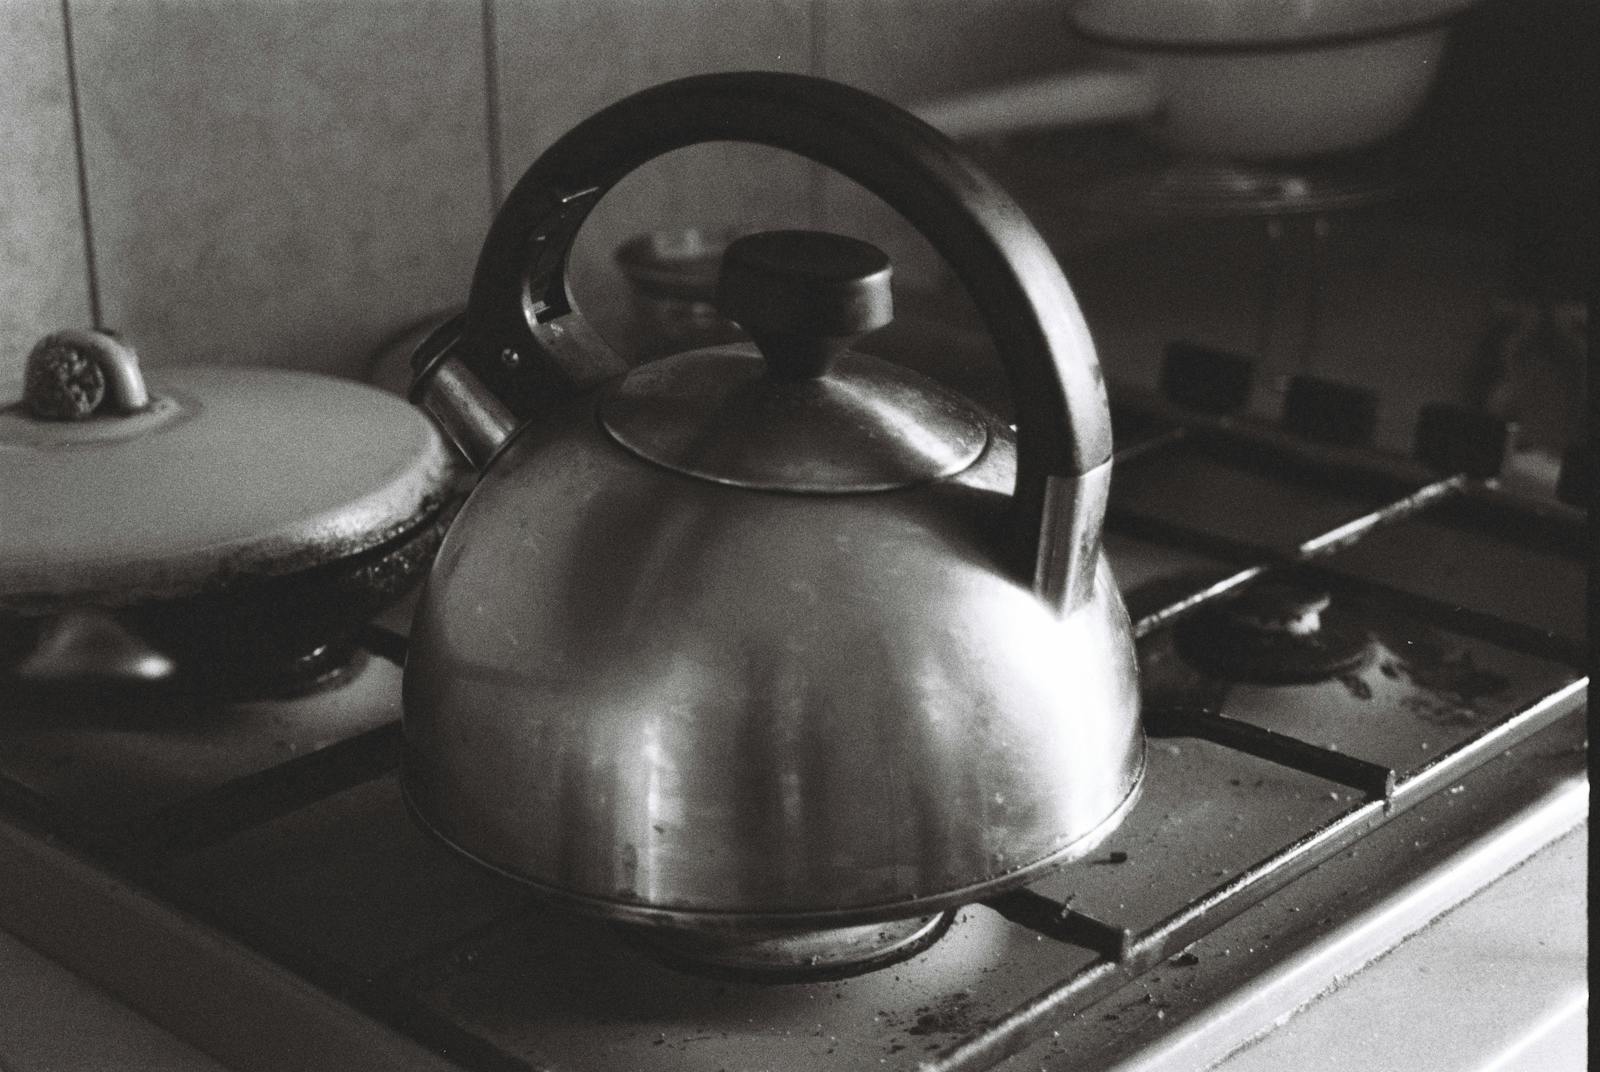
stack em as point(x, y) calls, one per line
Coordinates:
point(290, 181)
point(43, 279)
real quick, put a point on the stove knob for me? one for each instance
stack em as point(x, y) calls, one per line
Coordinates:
point(1206, 380)
point(1458, 439)
point(1324, 411)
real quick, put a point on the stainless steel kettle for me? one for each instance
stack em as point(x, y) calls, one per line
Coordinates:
point(783, 639)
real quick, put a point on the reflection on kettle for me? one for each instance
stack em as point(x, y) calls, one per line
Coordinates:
point(755, 642)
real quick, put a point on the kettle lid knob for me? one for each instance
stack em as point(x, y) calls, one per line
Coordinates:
point(804, 296)
point(807, 415)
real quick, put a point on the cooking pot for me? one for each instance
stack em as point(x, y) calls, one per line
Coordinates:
point(235, 524)
point(780, 637)
point(1244, 79)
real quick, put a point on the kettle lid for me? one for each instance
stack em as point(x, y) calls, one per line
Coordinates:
point(800, 411)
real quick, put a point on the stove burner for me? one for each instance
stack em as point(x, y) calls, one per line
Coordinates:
point(786, 956)
point(90, 653)
point(1276, 633)
point(287, 676)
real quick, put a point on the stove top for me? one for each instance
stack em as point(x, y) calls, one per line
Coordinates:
point(245, 873)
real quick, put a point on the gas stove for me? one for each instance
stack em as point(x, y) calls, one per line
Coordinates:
point(1358, 670)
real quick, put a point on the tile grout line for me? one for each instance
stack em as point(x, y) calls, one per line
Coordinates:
point(491, 95)
point(91, 268)
point(818, 66)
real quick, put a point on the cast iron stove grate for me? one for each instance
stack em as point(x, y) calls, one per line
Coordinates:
point(1088, 954)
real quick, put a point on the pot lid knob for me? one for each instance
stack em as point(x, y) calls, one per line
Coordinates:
point(71, 375)
point(804, 296)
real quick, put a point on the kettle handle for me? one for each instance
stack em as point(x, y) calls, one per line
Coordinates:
point(519, 294)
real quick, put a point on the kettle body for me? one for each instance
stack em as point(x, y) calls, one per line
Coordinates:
point(664, 698)
point(785, 638)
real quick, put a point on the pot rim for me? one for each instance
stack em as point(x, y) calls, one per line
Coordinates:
point(1203, 41)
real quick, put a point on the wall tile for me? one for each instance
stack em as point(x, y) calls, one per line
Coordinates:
point(43, 281)
point(281, 181)
point(910, 50)
point(562, 60)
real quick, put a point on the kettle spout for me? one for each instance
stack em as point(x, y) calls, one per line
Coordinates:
point(468, 413)
point(481, 387)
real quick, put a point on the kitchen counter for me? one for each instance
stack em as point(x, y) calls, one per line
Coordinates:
point(1498, 984)
point(54, 1020)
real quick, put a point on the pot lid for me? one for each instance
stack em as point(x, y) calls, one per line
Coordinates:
point(799, 412)
point(218, 474)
